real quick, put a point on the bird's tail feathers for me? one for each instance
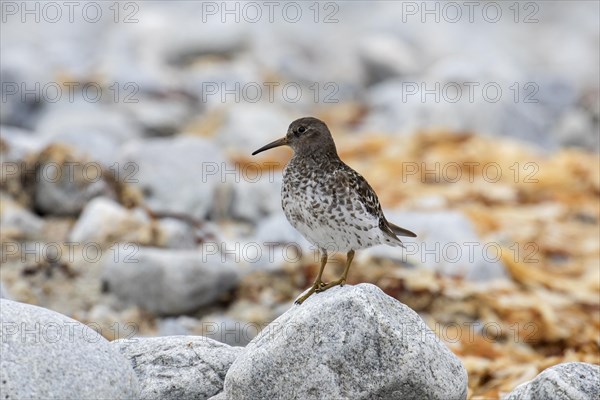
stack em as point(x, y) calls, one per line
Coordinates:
point(401, 231)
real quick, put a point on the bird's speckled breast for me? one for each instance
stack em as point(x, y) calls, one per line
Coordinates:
point(320, 202)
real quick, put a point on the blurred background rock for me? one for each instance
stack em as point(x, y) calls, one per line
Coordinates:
point(129, 198)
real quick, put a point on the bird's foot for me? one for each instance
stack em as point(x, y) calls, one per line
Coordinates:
point(316, 287)
point(339, 282)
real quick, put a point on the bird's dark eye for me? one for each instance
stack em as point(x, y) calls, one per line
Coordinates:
point(301, 129)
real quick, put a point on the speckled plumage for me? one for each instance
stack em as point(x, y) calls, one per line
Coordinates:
point(328, 202)
point(332, 205)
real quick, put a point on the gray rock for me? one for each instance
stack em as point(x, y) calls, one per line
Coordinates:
point(105, 221)
point(280, 243)
point(168, 281)
point(178, 367)
point(66, 181)
point(46, 355)
point(256, 196)
point(567, 381)
point(446, 242)
point(266, 122)
point(95, 131)
point(219, 83)
point(228, 330)
point(176, 234)
point(67, 196)
point(18, 71)
point(220, 396)
point(350, 342)
point(161, 114)
point(386, 56)
point(18, 222)
point(403, 105)
point(576, 128)
point(176, 326)
point(176, 175)
point(219, 327)
point(211, 37)
point(277, 229)
point(290, 49)
point(18, 144)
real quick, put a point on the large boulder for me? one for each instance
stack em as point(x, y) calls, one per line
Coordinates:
point(178, 367)
point(351, 342)
point(168, 282)
point(46, 355)
point(567, 381)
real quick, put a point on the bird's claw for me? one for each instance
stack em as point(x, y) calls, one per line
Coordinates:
point(319, 287)
point(329, 285)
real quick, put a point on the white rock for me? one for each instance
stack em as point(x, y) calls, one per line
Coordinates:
point(177, 234)
point(220, 85)
point(576, 128)
point(95, 131)
point(446, 242)
point(351, 342)
point(161, 113)
point(566, 381)
point(277, 229)
point(387, 56)
point(178, 367)
point(19, 144)
point(105, 221)
point(66, 197)
point(250, 126)
point(16, 221)
point(176, 175)
point(219, 327)
point(228, 330)
point(254, 199)
point(46, 355)
point(280, 243)
point(168, 281)
point(65, 183)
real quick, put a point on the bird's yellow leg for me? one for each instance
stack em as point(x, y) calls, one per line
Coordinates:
point(342, 280)
point(318, 283)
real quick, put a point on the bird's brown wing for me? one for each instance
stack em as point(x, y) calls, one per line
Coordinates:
point(359, 184)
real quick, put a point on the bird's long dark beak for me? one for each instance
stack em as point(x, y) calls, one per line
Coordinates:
point(279, 142)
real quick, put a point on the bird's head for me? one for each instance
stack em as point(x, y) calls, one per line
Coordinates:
point(305, 135)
